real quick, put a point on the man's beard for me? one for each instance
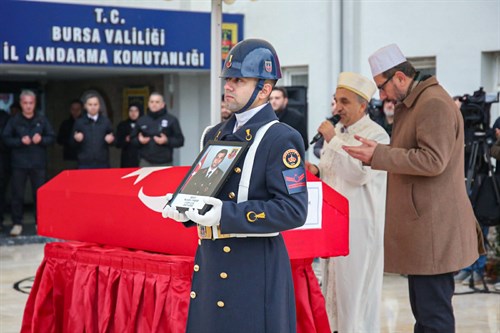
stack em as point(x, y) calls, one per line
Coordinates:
point(400, 95)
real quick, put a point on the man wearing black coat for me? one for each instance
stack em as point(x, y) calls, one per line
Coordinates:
point(130, 152)
point(27, 134)
point(495, 134)
point(64, 135)
point(157, 134)
point(4, 166)
point(292, 117)
point(92, 136)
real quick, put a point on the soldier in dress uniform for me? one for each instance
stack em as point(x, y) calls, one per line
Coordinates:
point(242, 280)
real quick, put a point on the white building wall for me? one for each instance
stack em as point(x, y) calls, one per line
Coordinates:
point(455, 32)
point(304, 33)
point(310, 33)
point(194, 113)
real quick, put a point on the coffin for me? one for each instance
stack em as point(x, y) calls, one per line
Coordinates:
point(120, 207)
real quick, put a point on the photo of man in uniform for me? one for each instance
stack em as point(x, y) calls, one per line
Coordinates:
point(205, 180)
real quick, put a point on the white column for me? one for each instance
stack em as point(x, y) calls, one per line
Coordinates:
point(215, 61)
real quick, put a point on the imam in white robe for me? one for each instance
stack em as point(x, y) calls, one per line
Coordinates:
point(352, 285)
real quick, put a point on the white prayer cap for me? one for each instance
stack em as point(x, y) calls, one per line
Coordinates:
point(357, 83)
point(385, 58)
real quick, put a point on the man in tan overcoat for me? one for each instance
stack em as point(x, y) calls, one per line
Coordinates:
point(431, 231)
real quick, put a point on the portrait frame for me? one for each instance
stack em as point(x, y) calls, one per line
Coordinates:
point(198, 183)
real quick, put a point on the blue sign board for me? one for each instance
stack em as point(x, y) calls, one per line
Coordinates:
point(37, 33)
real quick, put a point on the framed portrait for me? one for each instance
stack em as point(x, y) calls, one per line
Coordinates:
point(207, 175)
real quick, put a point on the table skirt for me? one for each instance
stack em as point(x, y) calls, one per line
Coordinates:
point(83, 287)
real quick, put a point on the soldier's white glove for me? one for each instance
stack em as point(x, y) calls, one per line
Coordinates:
point(211, 218)
point(172, 212)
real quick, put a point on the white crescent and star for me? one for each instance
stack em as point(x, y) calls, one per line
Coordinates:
point(154, 203)
point(144, 172)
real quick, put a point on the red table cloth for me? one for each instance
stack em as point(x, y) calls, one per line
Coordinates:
point(83, 287)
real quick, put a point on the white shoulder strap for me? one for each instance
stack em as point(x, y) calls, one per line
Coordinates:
point(205, 131)
point(249, 160)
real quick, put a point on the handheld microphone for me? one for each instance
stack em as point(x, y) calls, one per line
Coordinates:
point(334, 120)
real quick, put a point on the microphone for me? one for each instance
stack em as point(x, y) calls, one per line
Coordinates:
point(334, 120)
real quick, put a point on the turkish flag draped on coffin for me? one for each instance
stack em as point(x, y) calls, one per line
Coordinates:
point(122, 207)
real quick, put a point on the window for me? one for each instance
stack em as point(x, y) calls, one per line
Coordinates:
point(425, 65)
point(490, 80)
point(295, 76)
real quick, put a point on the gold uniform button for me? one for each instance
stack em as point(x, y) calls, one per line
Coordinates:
point(220, 304)
point(192, 294)
point(223, 275)
point(196, 268)
point(237, 170)
point(232, 195)
point(226, 249)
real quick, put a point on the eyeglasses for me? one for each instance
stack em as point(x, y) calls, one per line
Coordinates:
point(381, 87)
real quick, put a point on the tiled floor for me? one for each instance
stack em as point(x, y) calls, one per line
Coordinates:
point(17, 263)
point(474, 313)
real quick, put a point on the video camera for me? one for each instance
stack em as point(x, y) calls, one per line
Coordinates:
point(475, 110)
point(478, 136)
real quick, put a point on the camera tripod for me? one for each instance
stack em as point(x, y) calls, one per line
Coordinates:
point(474, 174)
point(476, 156)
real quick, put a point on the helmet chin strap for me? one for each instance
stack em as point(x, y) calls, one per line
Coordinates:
point(258, 87)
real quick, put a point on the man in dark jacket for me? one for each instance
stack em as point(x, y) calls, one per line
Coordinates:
point(495, 149)
point(64, 136)
point(292, 117)
point(386, 118)
point(4, 166)
point(92, 135)
point(130, 152)
point(495, 134)
point(28, 134)
point(157, 134)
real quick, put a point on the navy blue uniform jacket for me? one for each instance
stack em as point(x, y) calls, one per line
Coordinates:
point(244, 285)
